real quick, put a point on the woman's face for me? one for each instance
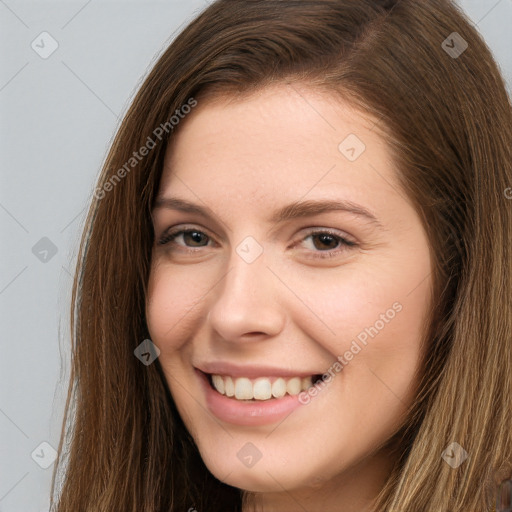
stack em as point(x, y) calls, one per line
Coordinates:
point(275, 284)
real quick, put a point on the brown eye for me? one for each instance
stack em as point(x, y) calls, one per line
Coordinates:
point(325, 244)
point(195, 237)
point(190, 237)
point(325, 241)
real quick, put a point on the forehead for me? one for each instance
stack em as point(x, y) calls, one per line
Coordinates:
point(263, 125)
point(284, 140)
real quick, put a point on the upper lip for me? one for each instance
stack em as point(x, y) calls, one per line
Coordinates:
point(250, 371)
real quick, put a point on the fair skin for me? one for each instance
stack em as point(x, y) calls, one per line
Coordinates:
point(242, 159)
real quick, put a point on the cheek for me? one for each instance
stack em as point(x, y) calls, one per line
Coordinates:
point(173, 304)
point(375, 319)
point(363, 304)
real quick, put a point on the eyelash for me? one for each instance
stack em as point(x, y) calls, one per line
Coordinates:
point(170, 237)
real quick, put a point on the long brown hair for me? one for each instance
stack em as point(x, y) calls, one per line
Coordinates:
point(445, 113)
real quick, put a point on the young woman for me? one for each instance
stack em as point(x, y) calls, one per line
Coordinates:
point(294, 287)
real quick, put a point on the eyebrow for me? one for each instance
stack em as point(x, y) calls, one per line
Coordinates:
point(291, 211)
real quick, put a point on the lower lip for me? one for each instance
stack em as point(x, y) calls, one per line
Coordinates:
point(257, 413)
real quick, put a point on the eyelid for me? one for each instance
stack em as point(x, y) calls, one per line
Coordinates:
point(180, 229)
point(345, 244)
point(344, 240)
point(331, 231)
point(310, 230)
point(197, 225)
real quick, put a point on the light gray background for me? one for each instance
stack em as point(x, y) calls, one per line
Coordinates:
point(58, 116)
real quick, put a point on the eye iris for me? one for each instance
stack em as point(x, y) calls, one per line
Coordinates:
point(195, 236)
point(326, 239)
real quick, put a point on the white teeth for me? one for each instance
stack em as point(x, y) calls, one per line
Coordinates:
point(218, 382)
point(293, 386)
point(261, 388)
point(307, 382)
point(279, 388)
point(243, 389)
point(229, 387)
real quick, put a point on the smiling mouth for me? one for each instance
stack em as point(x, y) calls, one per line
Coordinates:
point(261, 388)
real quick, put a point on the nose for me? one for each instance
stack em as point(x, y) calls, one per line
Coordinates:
point(245, 304)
